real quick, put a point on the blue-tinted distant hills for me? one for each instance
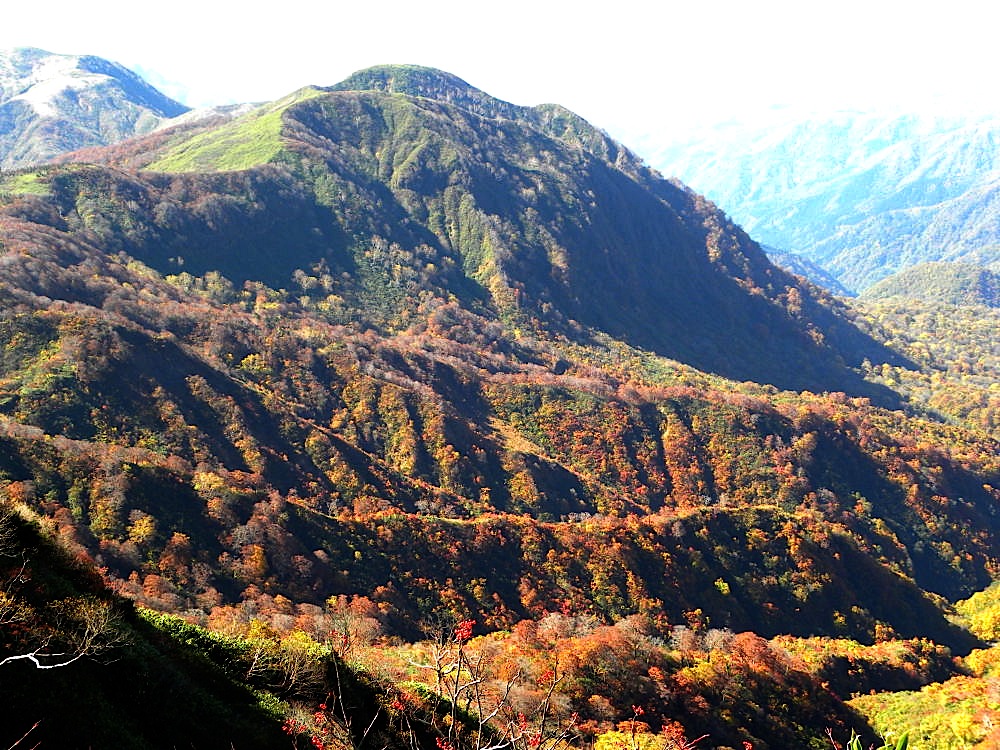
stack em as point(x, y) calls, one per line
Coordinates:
point(863, 196)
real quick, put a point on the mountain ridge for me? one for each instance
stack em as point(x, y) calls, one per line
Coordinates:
point(951, 283)
point(862, 195)
point(434, 166)
point(435, 84)
point(51, 104)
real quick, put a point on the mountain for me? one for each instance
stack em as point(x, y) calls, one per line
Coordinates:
point(951, 283)
point(511, 214)
point(50, 104)
point(805, 268)
point(373, 359)
point(861, 195)
point(400, 301)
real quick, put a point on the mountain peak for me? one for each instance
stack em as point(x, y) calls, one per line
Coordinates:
point(429, 83)
point(37, 76)
point(57, 103)
point(403, 79)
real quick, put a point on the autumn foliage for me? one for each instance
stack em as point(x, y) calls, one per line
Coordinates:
point(321, 403)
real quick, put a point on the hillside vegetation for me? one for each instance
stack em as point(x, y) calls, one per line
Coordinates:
point(477, 415)
point(949, 283)
point(955, 367)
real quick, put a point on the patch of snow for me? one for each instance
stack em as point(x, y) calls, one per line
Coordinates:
point(50, 78)
point(229, 111)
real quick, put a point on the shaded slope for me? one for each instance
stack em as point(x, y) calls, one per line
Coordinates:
point(529, 211)
point(144, 690)
point(662, 268)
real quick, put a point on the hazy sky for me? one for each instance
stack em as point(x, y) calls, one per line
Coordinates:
point(634, 68)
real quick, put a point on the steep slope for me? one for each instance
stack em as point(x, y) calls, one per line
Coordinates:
point(402, 306)
point(50, 104)
point(512, 211)
point(863, 196)
point(127, 677)
point(132, 685)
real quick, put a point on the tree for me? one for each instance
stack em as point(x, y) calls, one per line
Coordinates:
point(60, 632)
point(82, 626)
point(66, 630)
point(474, 704)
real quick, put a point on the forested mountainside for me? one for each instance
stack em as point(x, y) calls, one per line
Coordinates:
point(395, 353)
point(514, 218)
point(861, 195)
point(50, 104)
point(949, 283)
point(956, 364)
point(805, 268)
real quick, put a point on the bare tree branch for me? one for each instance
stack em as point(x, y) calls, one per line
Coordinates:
point(25, 736)
point(87, 626)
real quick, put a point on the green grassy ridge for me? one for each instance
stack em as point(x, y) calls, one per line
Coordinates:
point(32, 181)
point(24, 183)
point(248, 141)
point(760, 507)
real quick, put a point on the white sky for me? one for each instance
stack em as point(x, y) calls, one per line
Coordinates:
point(637, 68)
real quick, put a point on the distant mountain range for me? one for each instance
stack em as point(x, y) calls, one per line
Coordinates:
point(50, 104)
point(862, 196)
